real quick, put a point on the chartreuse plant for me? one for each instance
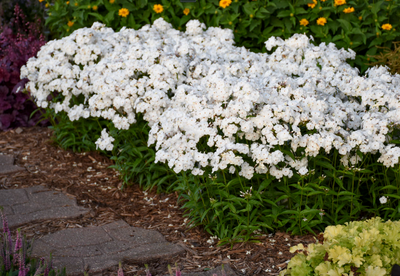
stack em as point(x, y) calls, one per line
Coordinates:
point(294, 140)
point(365, 248)
point(359, 25)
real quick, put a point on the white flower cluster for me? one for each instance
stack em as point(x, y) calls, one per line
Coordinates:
point(246, 105)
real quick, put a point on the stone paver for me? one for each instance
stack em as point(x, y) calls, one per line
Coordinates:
point(36, 203)
point(92, 249)
point(7, 165)
point(218, 271)
point(97, 248)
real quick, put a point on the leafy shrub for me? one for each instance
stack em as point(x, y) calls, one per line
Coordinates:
point(15, 50)
point(286, 141)
point(359, 25)
point(369, 248)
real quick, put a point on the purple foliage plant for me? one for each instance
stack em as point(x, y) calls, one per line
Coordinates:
point(15, 50)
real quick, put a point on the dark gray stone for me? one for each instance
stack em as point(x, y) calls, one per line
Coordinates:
point(10, 169)
point(7, 164)
point(74, 237)
point(37, 203)
point(10, 198)
point(102, 247)
point(6, 160)
point(218, 271)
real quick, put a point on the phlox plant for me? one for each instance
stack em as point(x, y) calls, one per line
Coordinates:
point(365, 248)
point(294, 140)
point(16, 109)
point(359, 24)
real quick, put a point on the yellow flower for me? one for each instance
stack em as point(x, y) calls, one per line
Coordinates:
point(387, 27)
point(348, 10)
point(112, 1)
point(88, 6)
point(186, 11)
point(47, 5)
point(41, 1)
point(360, 18)
point(94, 8)
point(224, 3)
point(321, 21)
point(70, 23)
point(158, 8)
point(313, 4)
point(76, 4)
point(123, 12)
point(67, 2)
point(340, 2)
point(251, 15)
point(304, 22)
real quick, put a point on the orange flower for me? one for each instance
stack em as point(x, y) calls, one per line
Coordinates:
point(123, 12)
point(304, 22)
point(94, 8)
point(348, 10)
point(340, 2)
point(321, 21)
point(186, 11)
point(70, 23)
point(158, 8)
point(386, 27)
point(76, 4)
point(313, 4)
point(41, 1)
point(112, 1)
point(224, 3)
point(67, 2)
point(47, 5)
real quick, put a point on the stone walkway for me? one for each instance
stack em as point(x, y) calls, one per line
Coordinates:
point(91, 249)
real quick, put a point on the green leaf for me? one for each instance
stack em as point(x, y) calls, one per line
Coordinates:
point(277, 23)
point(345, 24)
point(285, 13)
point(262, 13)
point(254, 24)
point(250, 8)
point(343, 193)
point(300, 11)
point(142, 3)
point(97, 15)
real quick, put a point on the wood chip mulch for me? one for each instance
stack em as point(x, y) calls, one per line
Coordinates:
point(87, 177)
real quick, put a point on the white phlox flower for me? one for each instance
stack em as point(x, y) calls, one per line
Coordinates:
point(197, 85)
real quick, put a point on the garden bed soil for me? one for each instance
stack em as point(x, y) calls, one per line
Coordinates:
point(87, 177)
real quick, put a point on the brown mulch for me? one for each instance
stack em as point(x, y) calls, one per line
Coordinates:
point(87, 177)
